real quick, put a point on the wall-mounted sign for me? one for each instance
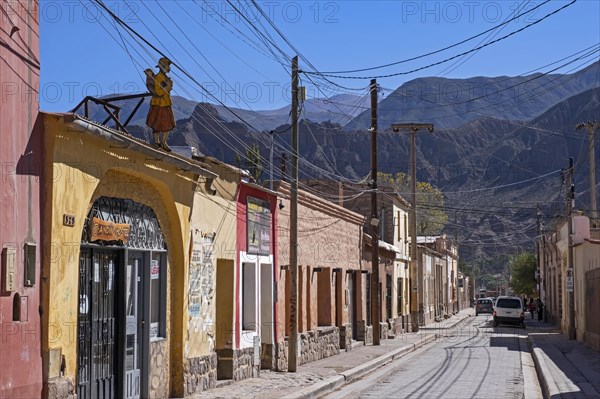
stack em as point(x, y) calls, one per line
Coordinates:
point(201, 290)
point(109, 231)
point(258, 237)
point(569, 284)
point(9, 256)
point(68, 220)
point(154, 269)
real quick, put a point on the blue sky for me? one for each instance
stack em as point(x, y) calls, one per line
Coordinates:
point(84, 53)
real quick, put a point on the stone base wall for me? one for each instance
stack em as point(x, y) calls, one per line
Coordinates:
point(364, 333)
point(319, 344)
point(428, 316)
point(159, 369)
point(61, 388)
point(281, 355)
point(312, 346)
point(236, 364)
point(200, 374)
point(383, 330)
point(346, 337)
point(396, 326)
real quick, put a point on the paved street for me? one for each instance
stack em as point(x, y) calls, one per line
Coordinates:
point(474, 360)
point(462, 357)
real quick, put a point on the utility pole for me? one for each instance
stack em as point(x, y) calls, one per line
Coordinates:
point(271, 162)
point(293, 344)
point(375, 305)
point(591, 127)
point(416, 270)
point(538, 246)
point(542, 267)
point(570, 271)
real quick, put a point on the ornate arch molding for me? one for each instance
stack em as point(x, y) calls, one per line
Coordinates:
point(136, 221)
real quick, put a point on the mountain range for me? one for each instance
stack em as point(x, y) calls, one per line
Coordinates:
point(497, 150)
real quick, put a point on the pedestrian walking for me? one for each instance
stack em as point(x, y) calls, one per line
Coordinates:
point(540, 309)
point(531, 307)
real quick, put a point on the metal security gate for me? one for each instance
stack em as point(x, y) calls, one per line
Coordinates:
point(121, 299)
point(96, 324)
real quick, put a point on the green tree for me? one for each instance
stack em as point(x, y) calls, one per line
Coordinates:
point(471, 269)
point(253, 162)
point(522, 279)
point(431, 216)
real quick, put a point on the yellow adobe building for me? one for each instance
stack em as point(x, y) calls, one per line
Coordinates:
point(117, 248)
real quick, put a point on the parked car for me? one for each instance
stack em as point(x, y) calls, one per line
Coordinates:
point(484, 305)
point(509, 310)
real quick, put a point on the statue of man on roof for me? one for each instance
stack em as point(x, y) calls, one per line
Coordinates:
point(160, 117)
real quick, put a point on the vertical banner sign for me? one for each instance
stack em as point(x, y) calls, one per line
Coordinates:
point(201, 279)
point(194, 292)
point(155, 283)
point(258, 237)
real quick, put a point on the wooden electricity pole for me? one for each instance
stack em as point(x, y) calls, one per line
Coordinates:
point(591, 128)
point(293, 343)
point(416, 270)
point(374, 223)
point(570, 284)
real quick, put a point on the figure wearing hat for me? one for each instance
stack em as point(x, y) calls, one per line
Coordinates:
point(160, 117)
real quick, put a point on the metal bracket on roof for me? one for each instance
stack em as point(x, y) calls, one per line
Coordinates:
point(113, 111)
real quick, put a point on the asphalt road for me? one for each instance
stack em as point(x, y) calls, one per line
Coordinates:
point(474, 360)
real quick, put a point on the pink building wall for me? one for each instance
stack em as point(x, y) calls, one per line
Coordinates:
point(20, 168)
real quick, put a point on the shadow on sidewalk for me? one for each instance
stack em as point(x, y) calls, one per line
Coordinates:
point(569, 366)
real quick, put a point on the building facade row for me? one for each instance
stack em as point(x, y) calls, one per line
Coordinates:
point(130, 272)
point(160, 274)
point(569, 279)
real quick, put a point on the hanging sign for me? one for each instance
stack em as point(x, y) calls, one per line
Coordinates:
point(101, 230)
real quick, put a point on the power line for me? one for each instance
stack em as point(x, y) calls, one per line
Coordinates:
point(445, 60)
point(431, 52)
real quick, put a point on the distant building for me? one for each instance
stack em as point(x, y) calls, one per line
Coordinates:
point(441, 294)
point(332, 281)
point(556, 280)
point(395, 278)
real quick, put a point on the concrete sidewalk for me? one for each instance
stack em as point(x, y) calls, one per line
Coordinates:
point(565, 368)
point(325, 375)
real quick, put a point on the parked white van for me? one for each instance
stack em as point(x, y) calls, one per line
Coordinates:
point(509, 310)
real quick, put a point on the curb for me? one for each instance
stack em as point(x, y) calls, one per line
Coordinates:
point(435, 327)
point(552, 382)
point(332, 383)
point(320, 388)
point(531, 380)
point(548, 386)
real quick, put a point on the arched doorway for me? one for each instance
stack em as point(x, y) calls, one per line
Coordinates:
point(122, 298)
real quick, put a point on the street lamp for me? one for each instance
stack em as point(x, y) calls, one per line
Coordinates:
point(416, 269)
